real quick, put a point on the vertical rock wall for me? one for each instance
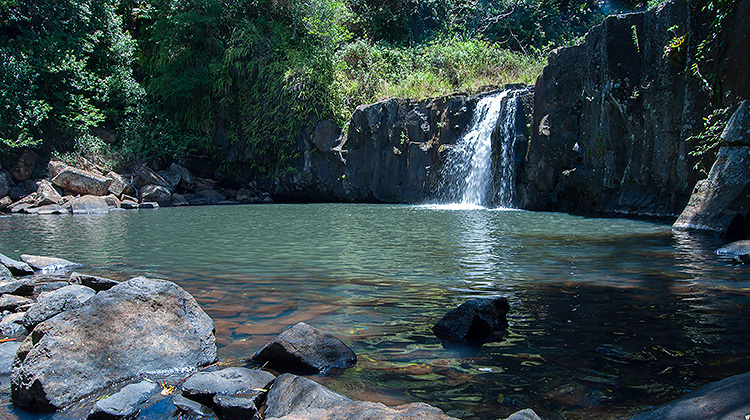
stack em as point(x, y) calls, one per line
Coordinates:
point(610, 121)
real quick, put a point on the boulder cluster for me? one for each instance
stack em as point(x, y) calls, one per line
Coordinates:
point(98, 348)
point(87, 188)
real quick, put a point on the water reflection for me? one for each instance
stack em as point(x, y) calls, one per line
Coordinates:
point(606, 315)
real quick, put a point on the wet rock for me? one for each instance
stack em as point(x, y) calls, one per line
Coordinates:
point(203, 386)
point(13, 286)
point(82, 182)
point(734, 249)
point(148, 205)
point(24, 204)
point(11, 325)
point(295, 397)
point(51, 303)
point(89, 204)
point(112, 201)
point(129, 204)
point(49, 286)
point(126, 403)
point(5, 272)
point(141, 325)
point(18, 268)
point(12, 303)
point(7, 353)
point(474, 319)
point(156, 193)
point(722, 400)
point(187, 181)
point(238, 407)
point(191, 407)
point(5, 202)
point(306, 349)
point(47, 264)
point(94, 282)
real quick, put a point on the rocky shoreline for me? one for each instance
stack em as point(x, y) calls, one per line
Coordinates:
point(88, 189)
point(96, 348)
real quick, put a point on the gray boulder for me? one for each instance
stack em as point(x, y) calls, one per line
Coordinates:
point(49, 304)
point(11, 325)
point(49, 286)
point(211, 196)
point(95, 282)
point(171, 177)
point(238, 407)
point(148, 205)
point(190, 407)
point(54, 167)
point(89, 204)
point(187, 181)
point(722, 400)
point(146, 176)
point(46, 264)
point(46, 194)
point(13, 303)
point(720, 204)
point(473, 320)
point(139, 326)
point(18, 268)
point(119, 185)
point(81, 182)
point(23, 166)
point(179, 200)
point(204, 386)
point(7, 353)
point(5, 272)
point(13, 286)
point(304, 348)
point(295, 397)
point(126, 403)
point(48, 209)
point(17, 192)
point(156, 193)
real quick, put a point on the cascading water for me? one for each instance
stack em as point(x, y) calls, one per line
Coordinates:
point(468, 171)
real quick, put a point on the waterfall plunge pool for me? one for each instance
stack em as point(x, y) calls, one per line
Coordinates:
point(607, 316)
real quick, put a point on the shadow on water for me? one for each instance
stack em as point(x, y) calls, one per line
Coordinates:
point(607, 316)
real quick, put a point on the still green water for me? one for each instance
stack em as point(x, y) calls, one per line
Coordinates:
point(607, 315)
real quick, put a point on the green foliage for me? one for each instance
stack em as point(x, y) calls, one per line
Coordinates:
point(709, 140)
point(707, 59)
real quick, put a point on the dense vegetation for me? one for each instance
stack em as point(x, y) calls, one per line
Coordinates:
point(170, 78)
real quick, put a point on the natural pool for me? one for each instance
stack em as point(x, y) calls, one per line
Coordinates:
point(607, 315)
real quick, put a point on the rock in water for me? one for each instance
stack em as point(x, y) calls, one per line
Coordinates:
point(126, 403)
point(18, 268)
point(722, 400)
point(203, 386)
point(47, 263)
point(57, 301)
point(89, 204)
point(474, 319)
point(138, 327)
point(94, 282)
point(294, 397)
point(307, 349)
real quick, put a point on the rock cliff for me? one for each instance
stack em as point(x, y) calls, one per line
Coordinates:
point(610, 121)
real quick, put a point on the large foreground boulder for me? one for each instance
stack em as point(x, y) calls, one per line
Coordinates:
point(137, 327)
point(56, 301)
point(722, 400)
point(302, 348)
point(81, 182)
point(473, 320)
point(295, 397)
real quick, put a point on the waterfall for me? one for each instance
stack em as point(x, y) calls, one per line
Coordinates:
point(468, 171)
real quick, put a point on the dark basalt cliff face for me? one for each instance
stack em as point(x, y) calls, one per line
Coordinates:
point(610, 121)
point(390, 153)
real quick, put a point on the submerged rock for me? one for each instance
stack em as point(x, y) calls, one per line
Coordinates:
point(739, 251)
point(40, 263)
point(722, 400)
point(126, 403)
point(138, 327)
point(295, 397)
point(204, 386)
point(238, 407)
point(307, 349)
point(57, 301)
point(474, 319)
point(191, 407)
